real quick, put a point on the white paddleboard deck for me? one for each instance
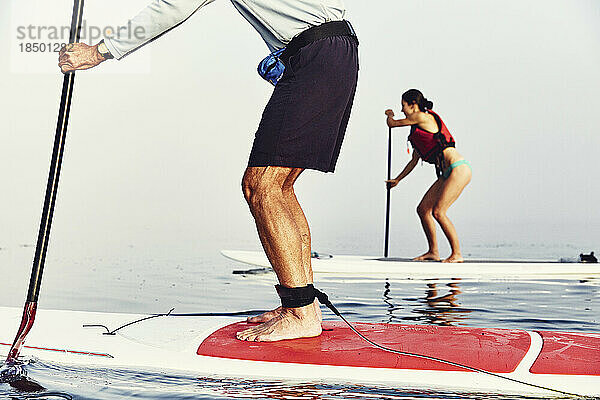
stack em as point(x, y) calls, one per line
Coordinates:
point(207, 346)
point(404, 268)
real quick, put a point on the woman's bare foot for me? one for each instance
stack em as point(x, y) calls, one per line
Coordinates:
point(289, 323)
point(454, 258)
point(269, 315)
point(429, 256)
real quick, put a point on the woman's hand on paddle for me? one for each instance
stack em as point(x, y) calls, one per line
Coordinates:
point(390, 118)
point(76, 56)
point(391, 183)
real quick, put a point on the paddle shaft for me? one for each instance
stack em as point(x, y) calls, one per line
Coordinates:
point(387, 208)
point(50, 199)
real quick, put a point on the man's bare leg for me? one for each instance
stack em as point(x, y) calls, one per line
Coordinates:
point(300, 219)
point(282, 241)
point(302, 223)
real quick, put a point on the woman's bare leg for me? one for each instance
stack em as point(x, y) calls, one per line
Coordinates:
point(452, 188)
point(425, 212)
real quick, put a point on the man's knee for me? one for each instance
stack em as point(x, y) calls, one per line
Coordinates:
point(259, 188)
point(251, 186)
point(247, 187)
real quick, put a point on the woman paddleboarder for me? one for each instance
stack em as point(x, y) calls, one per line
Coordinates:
point(433, 143)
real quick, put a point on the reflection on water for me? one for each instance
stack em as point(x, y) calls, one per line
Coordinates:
point(440, 306)
point(41, 396)
point(530, 305)
point(85, 383)
point(277, 390)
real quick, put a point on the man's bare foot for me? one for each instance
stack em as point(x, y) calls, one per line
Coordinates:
point(289, 323)
point(429, 256)
point(264, 317)
point(269, 315)
point(454, 258)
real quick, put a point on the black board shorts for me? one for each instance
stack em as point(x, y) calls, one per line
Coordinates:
point(304, 122)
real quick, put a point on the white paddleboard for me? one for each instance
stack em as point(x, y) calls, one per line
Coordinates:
point(405, 268)
point(569, 362)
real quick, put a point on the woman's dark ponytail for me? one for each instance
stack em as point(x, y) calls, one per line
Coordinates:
point(414, 96)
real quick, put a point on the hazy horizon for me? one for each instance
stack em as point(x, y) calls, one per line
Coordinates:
point(157, 156)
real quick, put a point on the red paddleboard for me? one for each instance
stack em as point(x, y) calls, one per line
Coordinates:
point(564, 362)
point(494, 350)
point(568, 354)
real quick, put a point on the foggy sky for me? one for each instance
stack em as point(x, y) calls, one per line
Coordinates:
point(158, 141)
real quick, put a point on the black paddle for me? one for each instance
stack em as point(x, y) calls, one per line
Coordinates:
point(389, 188)
point(51, 189)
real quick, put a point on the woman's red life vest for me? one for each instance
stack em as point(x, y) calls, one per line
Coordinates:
point(429, 145)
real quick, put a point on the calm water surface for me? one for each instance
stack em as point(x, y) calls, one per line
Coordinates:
point(131, 280)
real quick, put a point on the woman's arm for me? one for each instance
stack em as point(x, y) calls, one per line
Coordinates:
point(395, 123)
point(407, 170)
